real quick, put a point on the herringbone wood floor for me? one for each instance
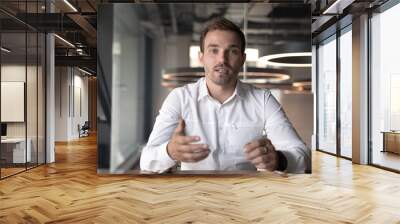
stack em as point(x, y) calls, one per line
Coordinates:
point(70, 191)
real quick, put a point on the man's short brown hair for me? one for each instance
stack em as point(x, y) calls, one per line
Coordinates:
point(222, 24)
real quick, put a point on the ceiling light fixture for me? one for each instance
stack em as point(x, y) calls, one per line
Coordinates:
point(302, 85)
point(180, 76)
point(84, 71)
point(267, 60)
point(5, 50)
point(337, 7)
point(70, 5)
point(303, 92)
point(65, 41)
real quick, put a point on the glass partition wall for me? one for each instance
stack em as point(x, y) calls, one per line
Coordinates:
point(334, 94)
point(345, 93)
point(385, 89)
point(13, 110)
point(327, 95)
point(22, 100)
point(335, 108)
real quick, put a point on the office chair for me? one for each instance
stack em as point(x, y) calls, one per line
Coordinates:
point(84, 130)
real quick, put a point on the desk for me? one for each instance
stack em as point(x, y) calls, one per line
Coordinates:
point(13, 150)
point(391, 141)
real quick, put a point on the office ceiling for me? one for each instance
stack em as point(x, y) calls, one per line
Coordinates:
point(278, 27)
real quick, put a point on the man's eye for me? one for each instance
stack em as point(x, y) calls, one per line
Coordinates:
point(214, 51)
point(234, 51)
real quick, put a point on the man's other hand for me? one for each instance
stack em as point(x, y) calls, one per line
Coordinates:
point(262, 154)
point(181, 149)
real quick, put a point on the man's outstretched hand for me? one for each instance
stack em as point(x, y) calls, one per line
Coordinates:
point(262, 154)
point(180, 148)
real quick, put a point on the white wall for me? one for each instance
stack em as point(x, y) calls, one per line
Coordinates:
point(17, 73)
point(70, 83)
point(79, 117)
point(13, 73)
point(61, 103)
point(299, 108)
point(171, 52)
point(33, 105)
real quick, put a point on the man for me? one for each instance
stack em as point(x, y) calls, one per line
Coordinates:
point(220, 123)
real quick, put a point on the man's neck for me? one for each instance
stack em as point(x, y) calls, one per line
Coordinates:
point(220, 93)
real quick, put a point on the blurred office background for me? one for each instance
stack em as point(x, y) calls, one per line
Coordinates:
point(145, 50)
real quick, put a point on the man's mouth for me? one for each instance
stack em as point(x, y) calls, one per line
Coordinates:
point(221, 69)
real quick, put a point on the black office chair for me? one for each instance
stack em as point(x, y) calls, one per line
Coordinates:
point(84, 130)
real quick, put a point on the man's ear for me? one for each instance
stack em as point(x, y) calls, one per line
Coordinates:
point(201, 57)
point(244, 58)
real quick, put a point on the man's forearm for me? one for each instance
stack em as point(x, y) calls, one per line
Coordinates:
point(156, 158)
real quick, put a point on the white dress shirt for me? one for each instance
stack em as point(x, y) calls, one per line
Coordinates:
point(249, 114)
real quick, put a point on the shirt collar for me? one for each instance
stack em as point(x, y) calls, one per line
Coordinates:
point(203, 91)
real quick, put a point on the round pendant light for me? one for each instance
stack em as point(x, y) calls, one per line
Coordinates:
point(298, 59)
point(176, 77)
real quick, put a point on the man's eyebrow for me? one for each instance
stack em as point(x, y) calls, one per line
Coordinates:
point(212, 45)
point(216, 45)
point(234, 46)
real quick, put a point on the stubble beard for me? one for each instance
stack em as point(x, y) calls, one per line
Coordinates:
point(222, 79)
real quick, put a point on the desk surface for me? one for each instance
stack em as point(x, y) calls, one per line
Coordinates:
point(13, 140)
point(390, 132)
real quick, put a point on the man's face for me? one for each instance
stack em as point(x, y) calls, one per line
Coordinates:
point(222, 57)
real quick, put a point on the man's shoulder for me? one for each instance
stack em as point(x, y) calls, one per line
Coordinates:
point(187, 90)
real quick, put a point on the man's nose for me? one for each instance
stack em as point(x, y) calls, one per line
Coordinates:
point(223, 56)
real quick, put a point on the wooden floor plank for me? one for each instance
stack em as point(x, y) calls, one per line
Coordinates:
point(70, 191)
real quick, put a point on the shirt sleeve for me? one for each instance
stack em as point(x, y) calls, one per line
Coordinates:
point(284, 137)
point(154, 157)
